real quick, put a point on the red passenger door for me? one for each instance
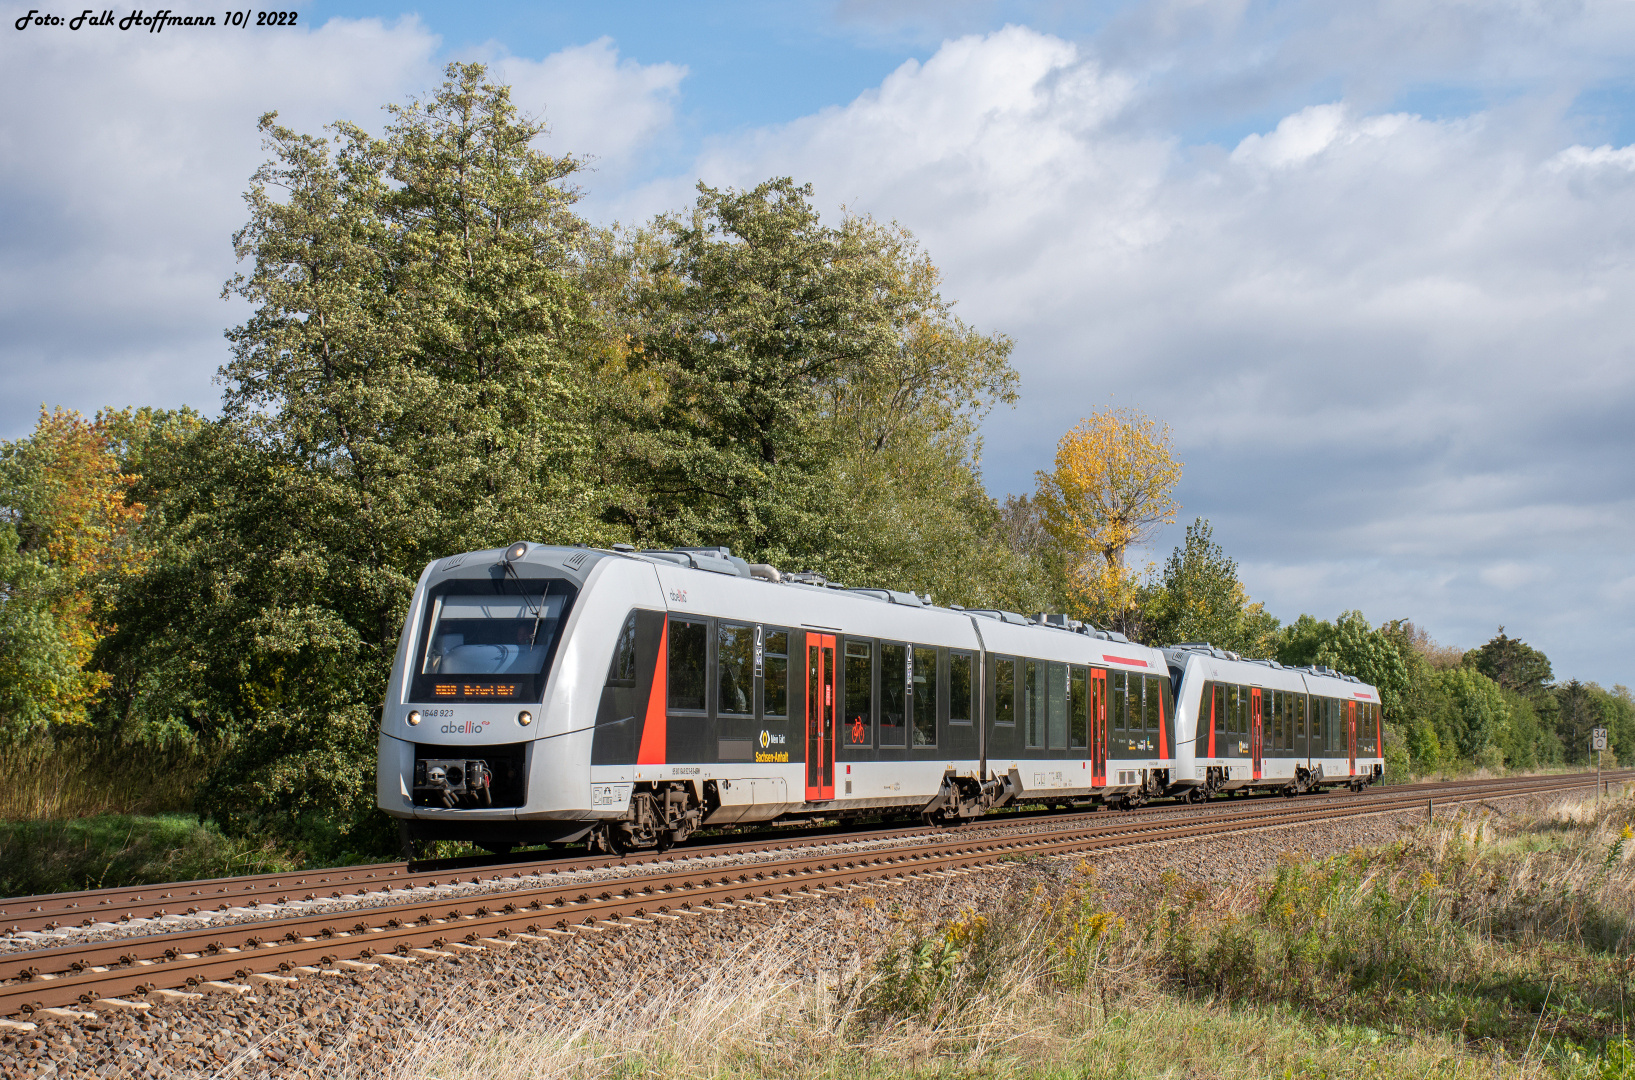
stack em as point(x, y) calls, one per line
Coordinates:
point(820, 717)
point(1255, 727)
point(1351, 734)
point(1098, 727)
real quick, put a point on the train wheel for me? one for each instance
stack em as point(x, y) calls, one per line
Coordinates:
point(607, 838)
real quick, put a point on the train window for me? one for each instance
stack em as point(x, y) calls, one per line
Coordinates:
point(1056, 704)
point(1246, 702)
point(1115, 683)
point(1166, 697)
point(1033, 702)
point(1219, 705)
point(1078, 708)
point(1149, 703)
point(489, 641)
point(1270, 699)
point(1004, 678)
point(1299, 721)
point(622, 672)
point(859, 718)
point(1132, 702)
point(893, 695)
point(775, 681)
point(961, 674)
point(923, 693)
point(734, 670)
point(689, 652)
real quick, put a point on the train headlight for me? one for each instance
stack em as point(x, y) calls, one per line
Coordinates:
point(414, 717)
point(525, 718)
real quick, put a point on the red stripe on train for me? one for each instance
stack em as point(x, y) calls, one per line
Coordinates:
point(654, 730)
point(1124, 660)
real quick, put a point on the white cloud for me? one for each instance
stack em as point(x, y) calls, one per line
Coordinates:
point(595, 104)
point(122, 160)
point(1395, 350)
point(1297, 139)
point(1582, 157)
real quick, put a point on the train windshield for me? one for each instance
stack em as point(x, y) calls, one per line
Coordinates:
point(493, 641)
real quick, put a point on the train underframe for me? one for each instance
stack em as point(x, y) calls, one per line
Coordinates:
point(666, 813)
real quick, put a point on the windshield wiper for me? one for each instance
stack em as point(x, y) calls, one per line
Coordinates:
point(538, 610)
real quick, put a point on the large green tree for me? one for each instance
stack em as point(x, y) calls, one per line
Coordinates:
point(803, 393)
point(405, 387)
point(1514, 665)
point(1198, 597)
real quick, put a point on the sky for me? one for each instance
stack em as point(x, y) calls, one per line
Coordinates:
point(1370, 261)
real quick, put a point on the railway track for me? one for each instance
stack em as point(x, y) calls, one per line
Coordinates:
point(245, 896)
point(107, 974)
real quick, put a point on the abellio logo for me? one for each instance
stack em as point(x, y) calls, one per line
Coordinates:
point(464, 727)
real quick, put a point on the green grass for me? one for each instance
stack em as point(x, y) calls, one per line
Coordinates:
point(124, 849)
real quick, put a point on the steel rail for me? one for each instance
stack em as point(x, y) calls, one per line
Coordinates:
point(431, 923)
point(155, 947)
point(51, 911)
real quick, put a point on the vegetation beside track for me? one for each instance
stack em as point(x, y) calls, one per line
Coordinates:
point(117, 850)
point(1489, 944)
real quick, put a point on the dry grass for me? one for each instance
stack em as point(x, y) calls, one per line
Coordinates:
point(745, 1022)
point(48, 780)
point(1492, 945)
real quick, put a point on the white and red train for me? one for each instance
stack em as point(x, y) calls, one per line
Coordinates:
point(627, 698)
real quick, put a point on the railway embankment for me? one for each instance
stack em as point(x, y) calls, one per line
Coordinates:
point(1491, 941)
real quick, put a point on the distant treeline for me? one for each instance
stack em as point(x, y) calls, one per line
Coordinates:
point(442, 357)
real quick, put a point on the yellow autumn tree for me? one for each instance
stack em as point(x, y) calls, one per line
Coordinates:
point(1110, 490)
point(66, 532)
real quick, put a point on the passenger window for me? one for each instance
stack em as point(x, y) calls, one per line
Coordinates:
point(859, 719)
point(1219, 705)
point(689, 649)
point(1115, 680)
point(1270, 697)
point(775, 681)
point(960, 680)
point(1004, 691)
point(924, 694)
point(1056, 705)
point(1246, 704)
point(1149, 708)
point(1135, 721)
point(623, 670)
point(1078, 696)
point(734, 670)
point(893, 695)
point(1033, 702)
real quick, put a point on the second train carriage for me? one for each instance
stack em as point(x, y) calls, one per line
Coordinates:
point(547, 694)
point(1255, 724)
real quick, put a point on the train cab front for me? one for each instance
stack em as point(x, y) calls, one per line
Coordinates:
point(456, 744)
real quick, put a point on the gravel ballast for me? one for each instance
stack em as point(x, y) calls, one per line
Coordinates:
point(370, 1022)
